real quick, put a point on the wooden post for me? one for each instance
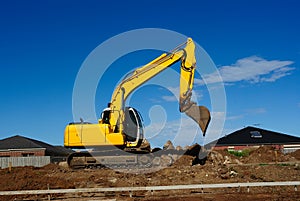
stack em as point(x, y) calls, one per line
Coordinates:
point(130, 194)
point(248, 187)
point(9, 166)
point(48, 186)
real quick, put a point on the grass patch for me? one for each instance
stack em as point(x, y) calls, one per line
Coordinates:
point(284, 164)
point(240, 153)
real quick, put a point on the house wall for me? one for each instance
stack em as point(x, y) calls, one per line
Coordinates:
point(278, 147)
point(35, 161)
point(22, 152)
point(291, 148)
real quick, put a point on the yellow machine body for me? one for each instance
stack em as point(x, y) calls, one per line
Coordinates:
point(121, 126)
point(125, 127)
point(82, 135)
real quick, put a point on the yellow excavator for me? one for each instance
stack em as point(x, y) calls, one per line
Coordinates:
point(118, 139)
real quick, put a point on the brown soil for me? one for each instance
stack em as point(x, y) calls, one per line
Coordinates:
point(267, 154)
point(296, 154)
point(221, 167)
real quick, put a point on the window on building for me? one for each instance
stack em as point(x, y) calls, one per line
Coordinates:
point(27, 154)
point(255, 134)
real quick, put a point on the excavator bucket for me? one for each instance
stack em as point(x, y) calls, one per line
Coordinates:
point(200, 115)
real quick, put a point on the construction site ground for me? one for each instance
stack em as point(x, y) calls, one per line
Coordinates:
point(264, 164)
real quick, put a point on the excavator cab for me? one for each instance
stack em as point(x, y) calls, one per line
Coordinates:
point(133, 126)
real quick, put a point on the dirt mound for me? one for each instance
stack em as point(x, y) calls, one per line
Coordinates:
point(27, 178)
point(183, 160)
point(223, 157)
point(266, 154)
point(296, 154)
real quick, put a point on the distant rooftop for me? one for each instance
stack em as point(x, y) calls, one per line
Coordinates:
point(20, 142)
point(255, 136)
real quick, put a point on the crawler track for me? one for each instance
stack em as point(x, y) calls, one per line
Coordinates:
point(119, 159)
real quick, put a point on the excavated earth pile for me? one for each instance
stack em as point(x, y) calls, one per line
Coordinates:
point(261, 165)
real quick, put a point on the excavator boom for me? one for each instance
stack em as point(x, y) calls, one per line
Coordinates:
point(186, 55)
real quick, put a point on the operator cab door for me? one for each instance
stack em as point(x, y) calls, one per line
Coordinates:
point(133, 127)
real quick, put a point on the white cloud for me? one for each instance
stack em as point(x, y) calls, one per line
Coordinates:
point(217, 115)
point(252, 69)
point(154, 129)
point(235, 117)
point(170, 98)
point(175, 95)
point(247, 112)
point(183, 131)
point(256, 111)
point(180, 132)
point(197, 95)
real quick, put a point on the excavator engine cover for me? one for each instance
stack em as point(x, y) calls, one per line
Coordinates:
point(201, 115)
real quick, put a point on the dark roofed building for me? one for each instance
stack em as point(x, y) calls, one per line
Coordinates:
point(22, 146)
point(252, 136)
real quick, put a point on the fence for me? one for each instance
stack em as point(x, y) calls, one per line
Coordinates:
point(154, 188)
point(36, 161)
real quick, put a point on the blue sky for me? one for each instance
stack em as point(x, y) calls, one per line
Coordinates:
point(254, 44)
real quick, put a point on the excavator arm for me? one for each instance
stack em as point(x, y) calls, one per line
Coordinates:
point(186, 55)
point(124, 129)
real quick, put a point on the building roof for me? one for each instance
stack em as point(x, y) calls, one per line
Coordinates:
point(256, 136)
point(20, 142)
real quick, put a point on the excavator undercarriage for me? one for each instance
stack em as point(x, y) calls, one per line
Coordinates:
point(133, 159)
